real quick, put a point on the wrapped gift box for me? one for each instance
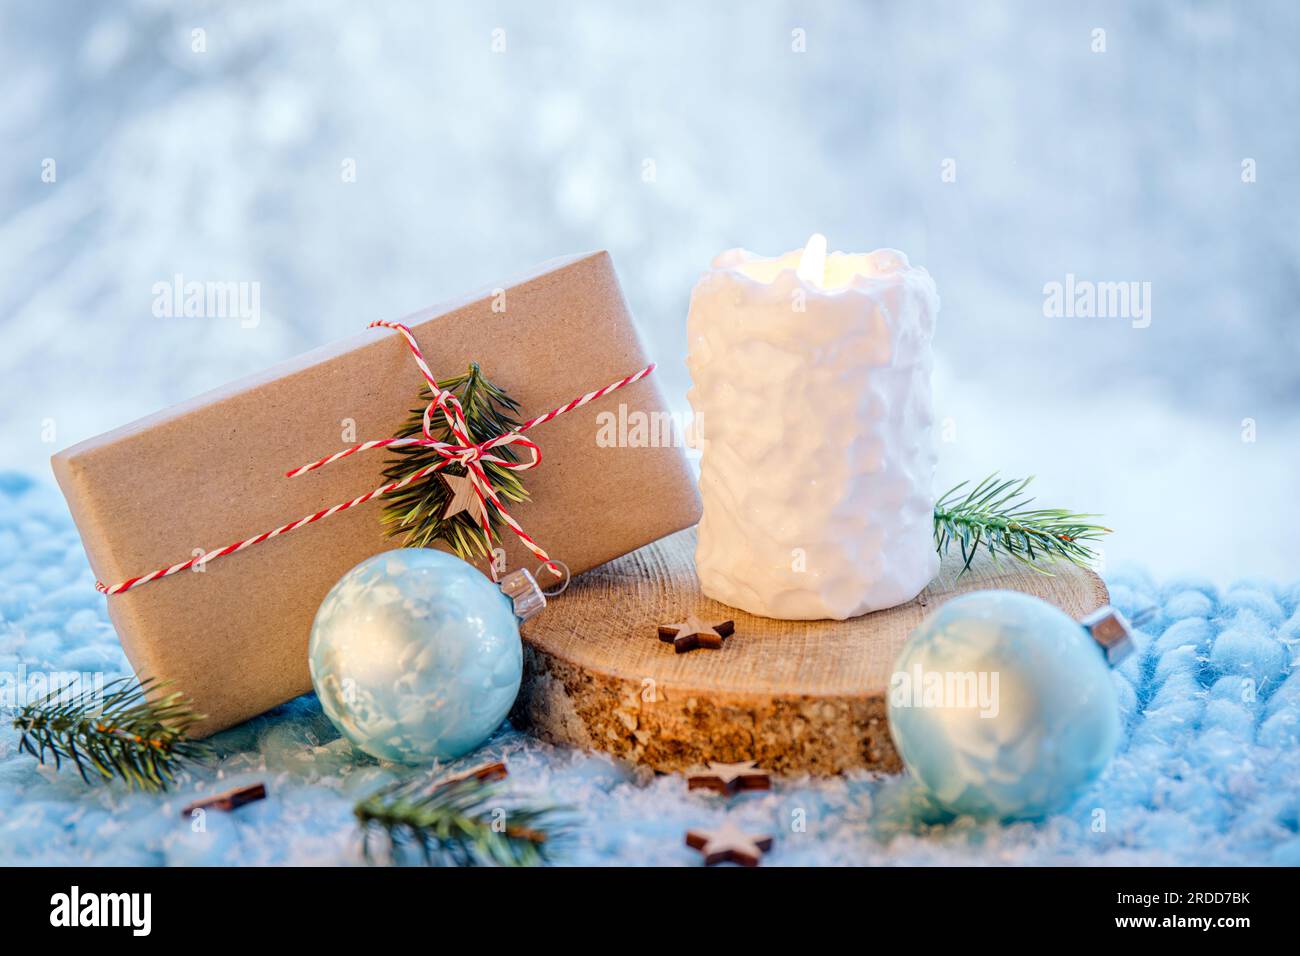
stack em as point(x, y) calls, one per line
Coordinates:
point(210, 472)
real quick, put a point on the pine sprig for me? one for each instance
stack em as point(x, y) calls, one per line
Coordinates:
point(995, 515)
point(113, 732)
point(415, 512)
point(452, 822)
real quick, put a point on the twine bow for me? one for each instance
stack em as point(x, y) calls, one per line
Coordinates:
point(464, 451)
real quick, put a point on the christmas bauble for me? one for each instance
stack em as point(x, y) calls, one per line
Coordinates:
point(416, 656)
point(1004, 707)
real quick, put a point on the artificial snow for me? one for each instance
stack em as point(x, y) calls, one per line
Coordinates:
point(1208, 773)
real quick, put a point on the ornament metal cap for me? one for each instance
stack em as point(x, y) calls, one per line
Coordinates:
point(1111, 632)
point(522, 588)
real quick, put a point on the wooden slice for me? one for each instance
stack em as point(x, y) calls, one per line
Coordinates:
point(795, 696)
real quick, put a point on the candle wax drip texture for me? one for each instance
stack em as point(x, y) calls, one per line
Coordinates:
point(814, 416)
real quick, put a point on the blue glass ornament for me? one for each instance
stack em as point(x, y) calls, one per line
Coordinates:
point(1003, 707)
point(416, 655)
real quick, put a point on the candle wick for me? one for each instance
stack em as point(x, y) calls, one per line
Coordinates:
point(812, 264)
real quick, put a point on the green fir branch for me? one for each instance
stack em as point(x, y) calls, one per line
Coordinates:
point(113, 732)
point(995, 515)
point(452, 822)
point(415, 512)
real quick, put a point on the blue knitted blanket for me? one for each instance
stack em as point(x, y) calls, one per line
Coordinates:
point(1208, 773)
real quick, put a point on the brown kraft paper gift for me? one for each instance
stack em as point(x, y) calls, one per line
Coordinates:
point(210, 471)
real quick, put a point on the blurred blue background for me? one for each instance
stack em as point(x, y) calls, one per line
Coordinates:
point(667, 134)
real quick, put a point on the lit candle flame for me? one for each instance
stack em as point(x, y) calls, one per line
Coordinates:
point(812, 264)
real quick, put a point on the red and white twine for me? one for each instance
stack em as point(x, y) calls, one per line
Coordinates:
point(463, 451)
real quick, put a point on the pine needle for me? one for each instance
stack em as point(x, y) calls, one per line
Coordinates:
point(996, 516)
point(113, 732)
point(453, 822)
point(415, 512)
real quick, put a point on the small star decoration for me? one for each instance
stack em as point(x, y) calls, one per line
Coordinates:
point(693, 633)
point(461, 496)
point(230, 800)
point(729, 777)
point(729, 844)
point(486, 771)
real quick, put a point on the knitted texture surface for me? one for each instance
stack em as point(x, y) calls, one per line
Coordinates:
point(1208, 771)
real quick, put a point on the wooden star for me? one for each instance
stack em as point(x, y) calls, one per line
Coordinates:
point(729, 844)
point(693, 633)
point(230, 800)
point(487, 772)
point(730, 777)
point(461, 496)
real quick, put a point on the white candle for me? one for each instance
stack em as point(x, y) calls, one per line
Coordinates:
point(811, 390)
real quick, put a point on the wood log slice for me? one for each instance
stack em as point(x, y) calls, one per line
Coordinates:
point(796, 696)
